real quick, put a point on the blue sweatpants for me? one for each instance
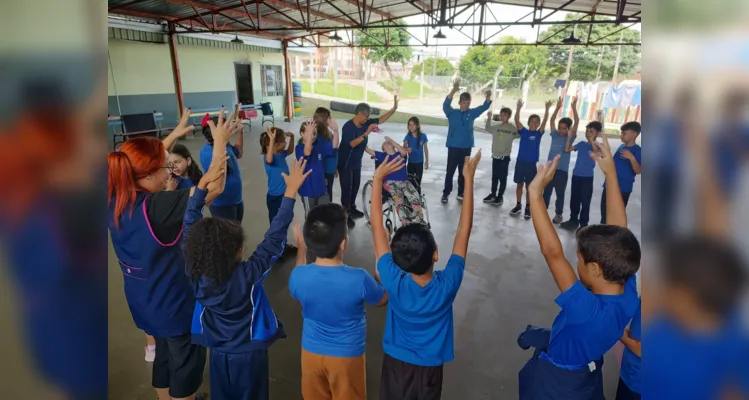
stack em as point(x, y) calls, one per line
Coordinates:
point(242, 376)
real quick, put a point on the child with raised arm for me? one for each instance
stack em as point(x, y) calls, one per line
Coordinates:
point(595, 309)
point(275, 150)
point(561, 135)
point(528, 153)
point(401, 190)
point(502, 137)
point(415, 143)
point(628, 161)
point(418, 338)
point(581, 192)
point(237, 322)
point(313, 149)
point(333, 296)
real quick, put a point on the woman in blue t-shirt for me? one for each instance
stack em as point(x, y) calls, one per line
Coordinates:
point(229, 205)
point(327, 131)
point(415, 143)
point(401, 190)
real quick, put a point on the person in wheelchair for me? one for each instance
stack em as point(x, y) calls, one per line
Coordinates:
point(401, 190)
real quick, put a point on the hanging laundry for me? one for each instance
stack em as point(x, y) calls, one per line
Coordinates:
point(559, 83)
point(612, 98)
point(590, 92)
point(637, 99)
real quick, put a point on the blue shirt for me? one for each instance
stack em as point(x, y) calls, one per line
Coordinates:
point(232, 194)
point(330, 162)
point(589, 324)
point(584, 165)
point(237, 316)
point(399, 175)
point(625, 174)
point(530, 145)
point(184, 183)
point(315, 184)
point(558, 145)
point(417, 149)
point(350, 157)
point(687, 365)
point(276, 184)
point(419, 324)
point(630, 371)
point(333, 307)
point(460, 123)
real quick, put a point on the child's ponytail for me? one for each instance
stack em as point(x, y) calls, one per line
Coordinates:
point(194, 172)
point(264, 140)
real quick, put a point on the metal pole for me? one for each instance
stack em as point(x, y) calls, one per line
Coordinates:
point(569, 66)
point(421, 83)
point(114, 83)
point(598, 70)
point(366, 78)
point(312, 73)
point(494, 86)
point(175, 69)
point(289, 92)
point(618, 57)
point(335, 70)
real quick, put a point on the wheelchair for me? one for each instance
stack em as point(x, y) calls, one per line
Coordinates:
point(390, 215)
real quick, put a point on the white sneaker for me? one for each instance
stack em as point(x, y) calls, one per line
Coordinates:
point(150, 354)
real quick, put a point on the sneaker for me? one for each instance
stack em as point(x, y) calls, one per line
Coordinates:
point(444, 200)
point(527, 213)
point(354, 213)
point(351, 223)
point(460, 197)
point(498, 201)
point(150, 353)
point(516, 210)
point(557, 219)
point(569, 225)
point(490, 198)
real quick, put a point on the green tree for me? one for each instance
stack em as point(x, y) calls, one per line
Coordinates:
point(442, 67)
point(586, 59)
point(386, 36)
point(480, 63)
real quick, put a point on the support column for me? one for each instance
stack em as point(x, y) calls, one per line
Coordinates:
point(289, 91)
point(175, 69)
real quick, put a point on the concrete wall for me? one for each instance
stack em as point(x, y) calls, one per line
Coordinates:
point(140, 76)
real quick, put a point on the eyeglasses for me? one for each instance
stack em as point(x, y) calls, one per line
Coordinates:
point(169, 167)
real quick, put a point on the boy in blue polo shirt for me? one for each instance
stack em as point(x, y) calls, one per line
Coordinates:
point(528, 154)
point(628, 159)
point(333, 296)
point(314, 191)
point(595, 309)
point(582, 178)
point(560, 138)
point(418, 336)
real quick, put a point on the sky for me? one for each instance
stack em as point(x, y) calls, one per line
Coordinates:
point(503, 13)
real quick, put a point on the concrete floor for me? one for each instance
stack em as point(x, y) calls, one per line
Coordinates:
point(507, 284)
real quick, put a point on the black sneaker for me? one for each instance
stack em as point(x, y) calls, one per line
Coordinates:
point(354, 213)
point(557, 219)
point(351, 223)
point(569, 225)
point(490, 198)
point(460, 197)
point(498, 201)
point(527, 213)
point(516, 210)
point(444, 200)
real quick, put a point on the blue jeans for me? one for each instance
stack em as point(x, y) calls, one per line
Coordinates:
point(234, 213)
point(455, 159)
point(273, 203)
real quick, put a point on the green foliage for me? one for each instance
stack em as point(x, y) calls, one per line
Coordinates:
point(480, 63)
point(345, 91)
point(378, 37)
point(442, 67)
point(408, 89)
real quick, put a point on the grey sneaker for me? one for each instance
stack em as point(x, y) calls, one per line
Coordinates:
point(459, 197)
point(527, 212)
point(498, 201)
point(557, 219)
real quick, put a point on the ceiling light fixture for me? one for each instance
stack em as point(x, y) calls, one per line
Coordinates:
point(439, 35)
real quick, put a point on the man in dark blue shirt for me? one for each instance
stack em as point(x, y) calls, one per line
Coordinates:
point(460, 135)
point(354, 137)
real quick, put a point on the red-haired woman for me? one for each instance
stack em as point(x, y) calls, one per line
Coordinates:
point(145, 224)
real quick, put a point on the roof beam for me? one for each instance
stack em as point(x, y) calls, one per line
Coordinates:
point(284, 4)
point(371, 9)
point(213, 10)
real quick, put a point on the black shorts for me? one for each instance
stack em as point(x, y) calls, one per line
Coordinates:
point(403, 381)
point(525, 171)
point(178, 365)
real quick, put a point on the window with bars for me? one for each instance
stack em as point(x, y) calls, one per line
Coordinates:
point(272, 80)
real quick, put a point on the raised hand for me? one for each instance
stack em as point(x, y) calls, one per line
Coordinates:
point(216, 169)
point(488, 94)
point(489, 114)
point(370, 128)
point(544, 176)
point(456, 84)
point(560, 101)
point(182, 128)
point(300, 244)
point(602, 156)
point(548, 104)
point(470, 165)
point(520, 103)
point(225, 129)
point(395, 101)
point(332, 123)
point(309, 130)
point(271, 135)
point(386, 168)
point(573, 103)
point(389, 139)
point(171, 183)
point(295, 177)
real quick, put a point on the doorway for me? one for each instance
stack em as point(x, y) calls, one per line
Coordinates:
point(243, 73)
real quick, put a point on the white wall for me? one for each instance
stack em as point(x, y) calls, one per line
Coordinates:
point(139, 68)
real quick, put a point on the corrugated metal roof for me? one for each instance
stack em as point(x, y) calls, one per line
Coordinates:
point(279, 14)
point(187, 40)
point(136, 36)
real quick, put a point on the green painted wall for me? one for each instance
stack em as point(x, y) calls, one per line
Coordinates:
point(140, 68)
